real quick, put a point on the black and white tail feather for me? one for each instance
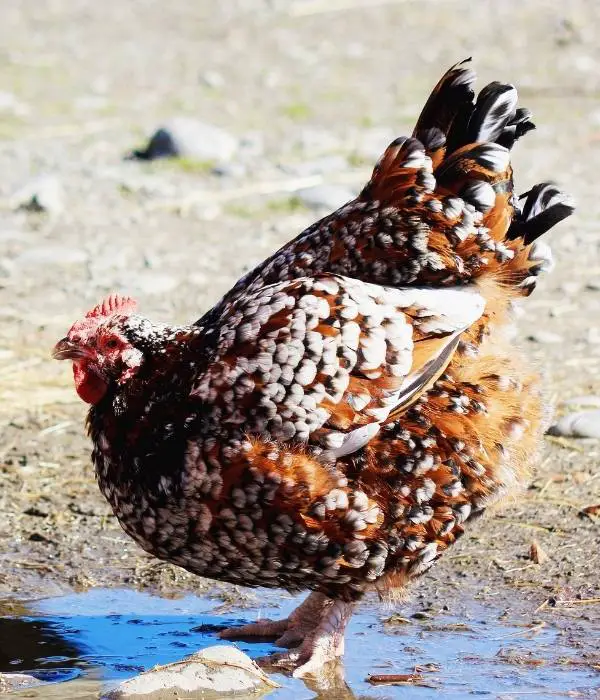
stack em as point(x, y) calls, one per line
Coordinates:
point(461, 146)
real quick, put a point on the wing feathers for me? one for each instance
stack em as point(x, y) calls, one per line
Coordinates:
point(332, 357)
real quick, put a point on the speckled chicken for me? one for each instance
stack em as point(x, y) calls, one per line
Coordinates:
point(333, 423)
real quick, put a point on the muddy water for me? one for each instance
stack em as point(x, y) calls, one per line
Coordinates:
point(84, 642)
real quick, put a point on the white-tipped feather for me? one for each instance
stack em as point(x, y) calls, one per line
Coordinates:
point(356, 439)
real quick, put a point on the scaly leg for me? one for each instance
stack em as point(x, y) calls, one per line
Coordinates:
point(315, 630)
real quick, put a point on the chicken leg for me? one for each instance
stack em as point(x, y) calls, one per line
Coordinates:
point(313, 633)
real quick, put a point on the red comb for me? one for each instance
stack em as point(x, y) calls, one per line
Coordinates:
point(114, 304)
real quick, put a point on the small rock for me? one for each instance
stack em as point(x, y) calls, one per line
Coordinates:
point(43, 194)
point(189, 138)
point(537, 554)
point(585, 424)
point(329, 197)
point(544, 337)
point(593, 286)
point(219, 670)
point(11, 682)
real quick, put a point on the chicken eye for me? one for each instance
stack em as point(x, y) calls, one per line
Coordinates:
point(111, 343)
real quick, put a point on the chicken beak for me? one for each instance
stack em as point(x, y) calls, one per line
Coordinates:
point(66, 349)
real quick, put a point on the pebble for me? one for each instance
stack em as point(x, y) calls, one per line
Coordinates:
point(218, 670)
point(585, 424)
point(544, 337)
point(42, 194)
point(12, 682)
point(186, 137)
point(328, 197)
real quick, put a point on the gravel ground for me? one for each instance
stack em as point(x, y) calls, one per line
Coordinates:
point(311, 91)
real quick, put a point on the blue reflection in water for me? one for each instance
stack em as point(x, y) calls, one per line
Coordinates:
point(112, 634)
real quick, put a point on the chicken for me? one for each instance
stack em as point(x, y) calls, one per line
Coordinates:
point(333, 423)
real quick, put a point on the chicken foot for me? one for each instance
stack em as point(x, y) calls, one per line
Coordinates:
point(313, 633)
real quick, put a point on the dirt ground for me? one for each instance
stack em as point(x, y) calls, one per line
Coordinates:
point(314, 89)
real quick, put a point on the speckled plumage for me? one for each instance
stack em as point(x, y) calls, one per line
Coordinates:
point(336, 419)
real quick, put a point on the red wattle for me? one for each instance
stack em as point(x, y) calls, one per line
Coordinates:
point(90, 387)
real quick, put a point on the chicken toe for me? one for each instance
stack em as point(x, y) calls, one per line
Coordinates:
point(313, 633)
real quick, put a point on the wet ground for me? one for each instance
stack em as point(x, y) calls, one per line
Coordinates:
point(86, 641)
point(316, 89)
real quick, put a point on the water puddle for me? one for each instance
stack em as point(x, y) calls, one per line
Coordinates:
point(107, 635)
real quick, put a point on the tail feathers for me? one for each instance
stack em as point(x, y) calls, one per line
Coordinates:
point(496, 105)
point(519, 125)
point(482, 161)
point(451, 119)
point(450, 100)
point(545, 206)
point(455, 176)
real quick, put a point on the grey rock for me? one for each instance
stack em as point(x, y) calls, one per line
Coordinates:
point(51, 255)
point(11, 682)
point(328, 197)
point(42, 194)
point(585, 424)
point(544, 337)
point(217, 670)
point(186, 137)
